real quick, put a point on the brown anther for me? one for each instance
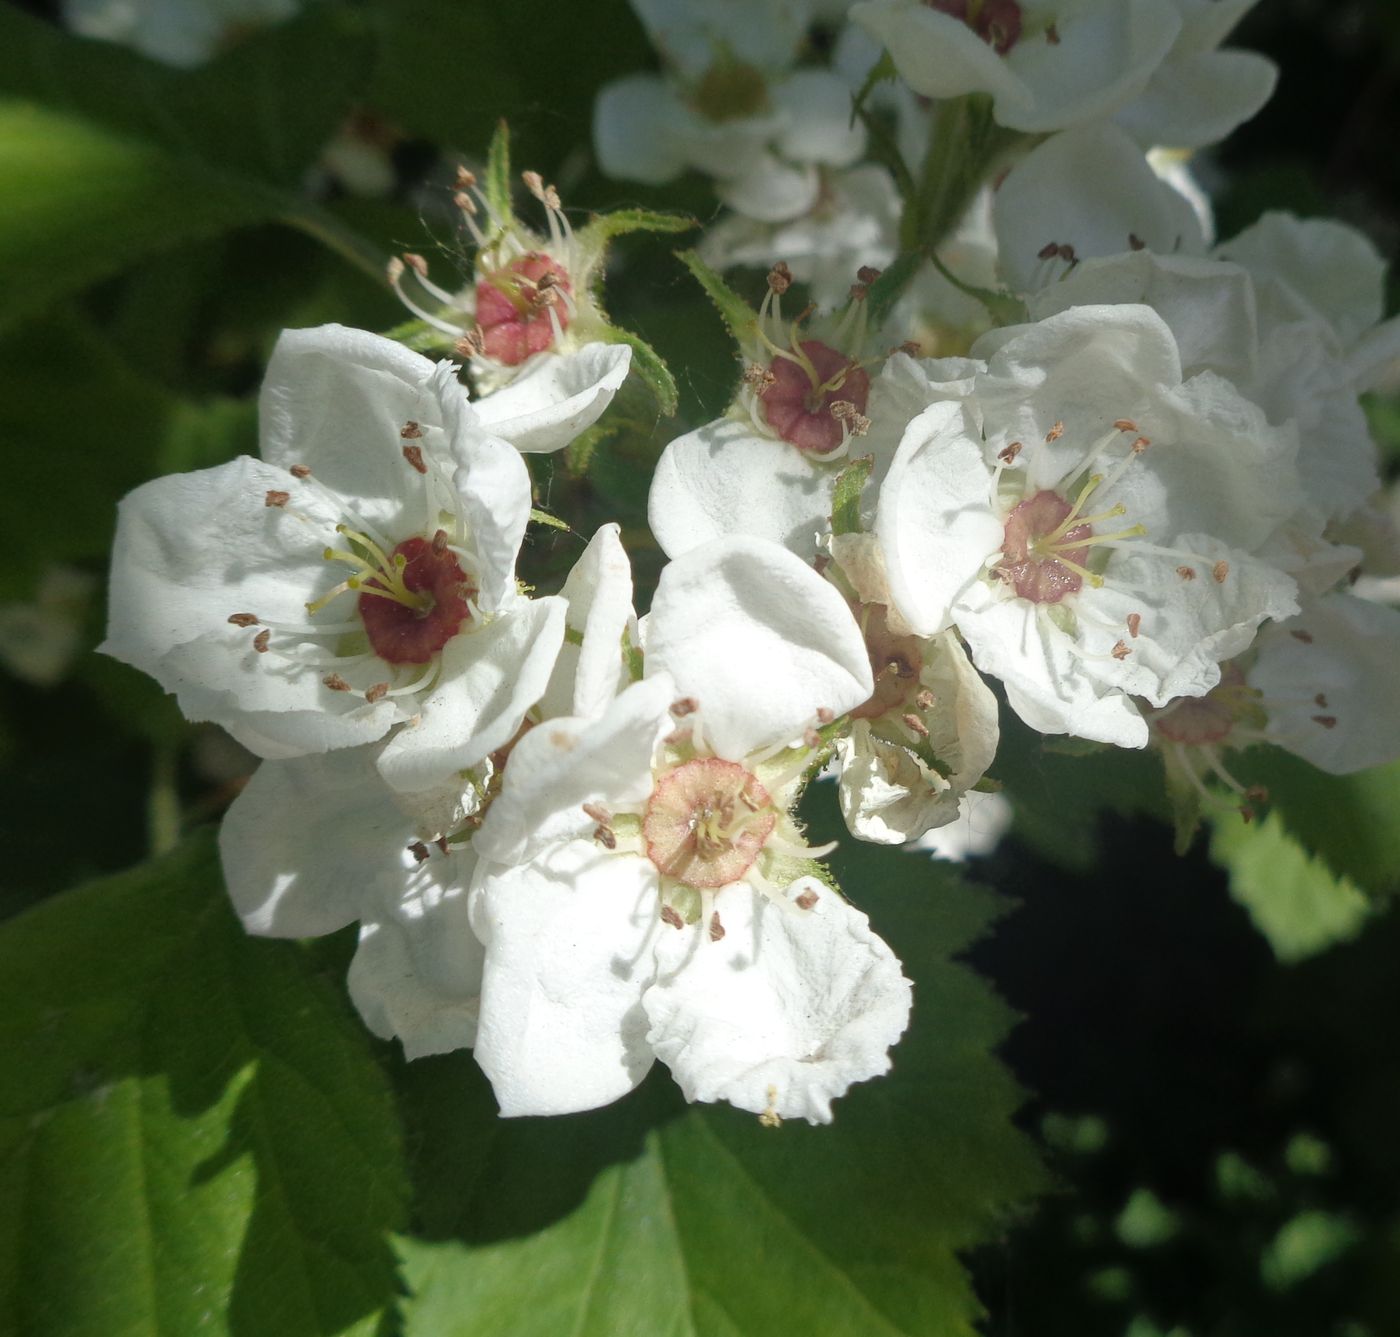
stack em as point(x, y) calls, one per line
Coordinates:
point(1136, 243)
point(1120, 650)
point(1219, 571)
point(1257, 794)
point(276, 498)
point(915, 723)
point(807, 900)
point(1140, 445)
point(260, 641)
point(596, 812)
point(1320, 700)
point(759, 377)
point(410, 431)
point(858, 424)
point(1008, 453)
point(812, 738)
point(925, 700)
point(534, 183)
point(670, 915)
point(1327, 721)
point(1049, 251)
point(1056, 432)
point(419, 851)
point(1134, 624)
point(858, 292)
point(687, 705)
point(416, 263)
point(1125, 425)
point(464, 202)
point(335, 682)
point(1304, 636)
point(394, 269)
point(1066, 253)
point(716, 928)
point(243, 619)
point(841, 409)
point(1186, 572)
point(471, 344)
point(377, 693)
point(605, 837)
point(780, 278)
point(299, 471)
point(414, 455)
point(911, 347)
point(466, 178)
point(1052, 34)
point(1246, 814)
point(551, 199)
point(867, 274)
point(825, 714)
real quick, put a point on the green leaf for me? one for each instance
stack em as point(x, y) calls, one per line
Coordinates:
point(1294, 901)
point(497, 185)
point(654, 1217)
point(602, 228)
point(736, 313)
point(845, 503)
point(195, 1137)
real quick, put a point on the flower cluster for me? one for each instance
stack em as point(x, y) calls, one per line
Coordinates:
point(1009, 424)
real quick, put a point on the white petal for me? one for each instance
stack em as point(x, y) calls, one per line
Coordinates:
point(556, 397)
point(309, 844)
point(934, 518)
point(568, 953)
point(416, 974)
point(785, 1013)
point(725, 478)
point(758, 639)
point(770, 189)
point(631, 119)
point(820, 127)
point(562, 764)
point(1198, 99)
point(489, 679)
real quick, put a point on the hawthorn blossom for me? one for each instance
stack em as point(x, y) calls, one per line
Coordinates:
point(357, 580)
point(40, 638)
point(1089, 520)
point(185, 33)
point(644, 890)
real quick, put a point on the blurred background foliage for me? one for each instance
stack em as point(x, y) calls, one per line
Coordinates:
point(197, 1133)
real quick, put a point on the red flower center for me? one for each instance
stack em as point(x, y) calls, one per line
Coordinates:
point(401, 634)
point(706, 822)
point(797, 404)
point(514, 305)
point(1041, 553)
point(996, 22)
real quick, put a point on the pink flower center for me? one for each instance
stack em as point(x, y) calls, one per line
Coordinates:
point(996, 22)
point(410, 616)
point(706, 822)
point(1200, 720)
point(802, 403)
point(520, 306)
point(1043, 551)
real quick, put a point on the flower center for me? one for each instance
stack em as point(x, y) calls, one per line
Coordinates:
point(895, 662)
point(730, 91)
point(1199, 720)
point(814, 392)
point(519, 307)
point(996, 22)
point(706, 822)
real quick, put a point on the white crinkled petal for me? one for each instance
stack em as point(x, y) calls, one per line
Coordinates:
point(820, 127)
point(888, 796)
point(588, 675)
point(416, 974)
point(310, 844)
point(1199, 98)
point(1328, 683)
point(632, 135)
point(556, 397)
point(725, 478)
point(786, 1012)
point(1089, 188)
point(758, 639)
point(568, 941)
point(562, 764)
point(934, 518)
point(488, 680)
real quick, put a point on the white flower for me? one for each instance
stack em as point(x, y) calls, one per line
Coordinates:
point(316, 843)
point(1045, 65)
point(360, 576)
point(769, 467)
point(929, 731)
point(644, 891)
point(983, 819)
point(179, 32)
point(40, 638)
point(1088, 520)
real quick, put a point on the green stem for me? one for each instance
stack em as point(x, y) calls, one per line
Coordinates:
point(163, 802)
point(963, 141)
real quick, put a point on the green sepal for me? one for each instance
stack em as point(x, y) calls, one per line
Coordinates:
point(1003, 308)
point(740, 318)
point(650, 369)
point(496, 186)
point(633, 658)
point(881, 72)
point(419, 336)
point(602, 228)
point(1065, 746)
point(845, 504)
point(539, 517)
point(1185, 801)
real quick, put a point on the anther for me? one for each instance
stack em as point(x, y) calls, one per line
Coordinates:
point(596, 812)
point(1136, 243)
point(867, 274)
point(670, 915)
point(1008, 453)
point(1052, 34)
point(410, 431)
point(1049, 251)
point(911, 348)
point(416, 263)
point(464, 202)
point(1257, 794)
point(335, 682)
point(243, 619)
point(276, 498)
point(394, 269)
point(716, 928)
point(440, 542)
point(1134, 624)
point(1304, 636)
point(1327, 721)
point(1320, 700)
point(825, 714)
point(925, 700)
point(812, 738)
point(1067, 253)
point(300, 471)
point(605, 837)
point(534, 183)
point(260, 641)
point(779, 278)
point(1219, 571)
point(915, 723)
point(1120, 650)
point(760, 378)
point(1186, 572)
point(441, 843)
point(1056, 432)
point(419, 851)
point(1125, 425)
point(466, 178)
point(687, 705)
point(471, 344)
point(414, 455)
point(1140, 445)
point(377, 693)
point(807, 900)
